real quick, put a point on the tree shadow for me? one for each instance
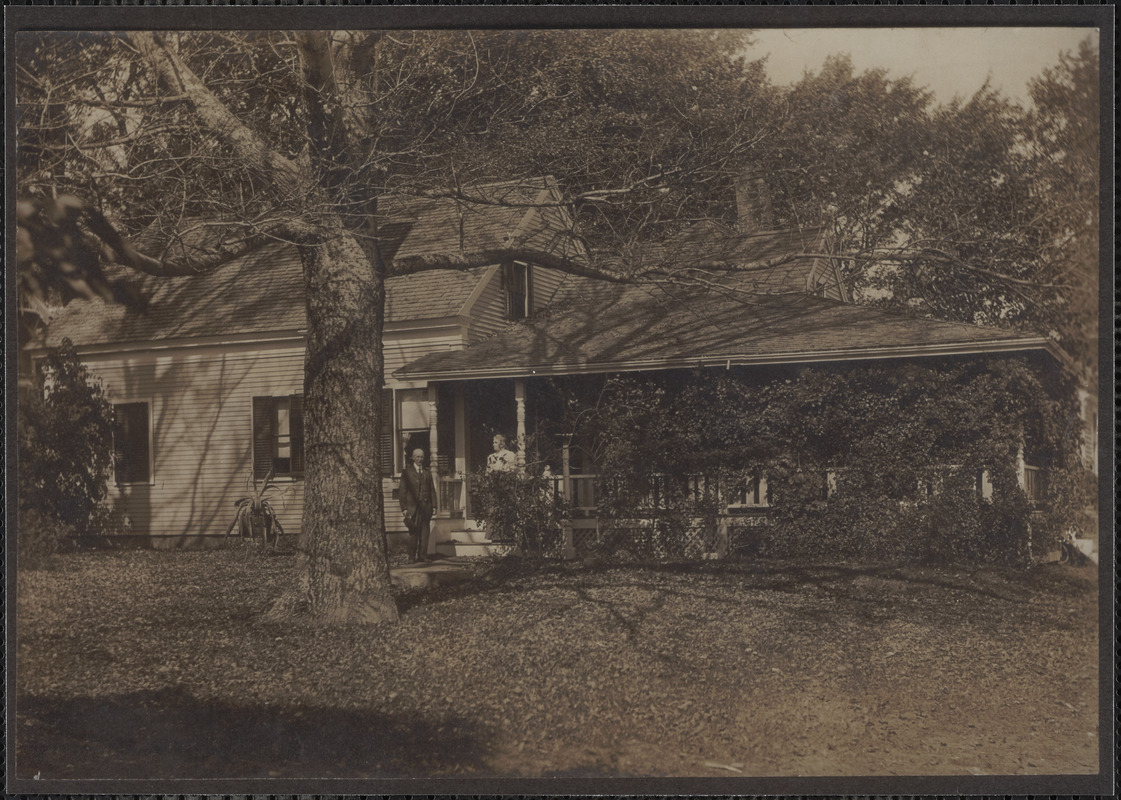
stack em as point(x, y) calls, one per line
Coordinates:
point(170, 733)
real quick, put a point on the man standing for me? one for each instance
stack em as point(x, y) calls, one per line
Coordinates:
point(417, 494)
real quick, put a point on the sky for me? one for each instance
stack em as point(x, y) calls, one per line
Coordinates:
point(949, 61)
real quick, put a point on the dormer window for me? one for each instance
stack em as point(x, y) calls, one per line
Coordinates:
point(517, 279)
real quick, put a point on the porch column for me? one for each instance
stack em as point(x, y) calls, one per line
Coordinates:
point(433, 445)
point(566, 470)
point(1021, 472)
point(519, 400)
point(461, 447)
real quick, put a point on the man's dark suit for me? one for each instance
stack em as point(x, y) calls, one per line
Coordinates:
point(418, 491)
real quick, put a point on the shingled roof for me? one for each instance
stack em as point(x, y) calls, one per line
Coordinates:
point(264, 292)
point(601, 327)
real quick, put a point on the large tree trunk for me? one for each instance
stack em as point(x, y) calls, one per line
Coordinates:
point(343, 535)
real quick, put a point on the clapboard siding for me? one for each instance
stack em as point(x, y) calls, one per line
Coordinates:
point(545, 285)
point(200, 414)
point(201, 419)
point(489, 313)
point(402, 348)
point(394, 519)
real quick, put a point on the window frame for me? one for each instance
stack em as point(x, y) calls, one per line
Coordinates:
point(293, 441)
point(151, 465)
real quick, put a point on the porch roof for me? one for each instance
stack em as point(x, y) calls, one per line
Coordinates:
point(601, 327)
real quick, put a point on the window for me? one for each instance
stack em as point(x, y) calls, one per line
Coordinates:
point(413, 423)
point(132, 461)
point(278, 436)
point(517, 278)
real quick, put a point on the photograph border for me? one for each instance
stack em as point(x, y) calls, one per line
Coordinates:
point(188, 17)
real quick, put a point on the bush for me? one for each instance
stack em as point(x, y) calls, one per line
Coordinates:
point(902, 447)
point(39, 538)
point(65, 451)
point(520, 508)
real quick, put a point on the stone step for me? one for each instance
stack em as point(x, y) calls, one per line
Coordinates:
point(438, 573)
point(466, 535)
point(480, 548)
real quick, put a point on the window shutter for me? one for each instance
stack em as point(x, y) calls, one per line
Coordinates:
point(130, 443)
point(386, 434)
point(120, 465)
point(264, 422)
point(296, 432)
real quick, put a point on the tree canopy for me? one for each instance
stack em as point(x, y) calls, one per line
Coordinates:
point(976, 210)
point(183, 151)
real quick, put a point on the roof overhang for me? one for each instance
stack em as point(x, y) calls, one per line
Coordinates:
point(1024, 344)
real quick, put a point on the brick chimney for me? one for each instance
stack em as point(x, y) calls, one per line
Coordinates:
point(753, 204)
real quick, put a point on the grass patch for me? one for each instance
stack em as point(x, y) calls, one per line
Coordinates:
point(157, 665)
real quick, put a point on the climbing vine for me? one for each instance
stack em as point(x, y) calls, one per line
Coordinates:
point(904, 463)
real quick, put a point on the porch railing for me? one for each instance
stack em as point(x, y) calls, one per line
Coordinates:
point(451, 500)
point(581, 491)
point(583, 496)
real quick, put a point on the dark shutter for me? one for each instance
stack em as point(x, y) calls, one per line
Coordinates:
point(386, 435)
point(296, 433)
point(264, 425)
point(130, 443)
point(515, 282)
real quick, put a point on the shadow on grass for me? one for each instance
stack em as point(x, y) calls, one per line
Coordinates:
point(169, 733)
point(820, 592)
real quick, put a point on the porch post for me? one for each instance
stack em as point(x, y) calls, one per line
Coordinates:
point(1021, 472)
point(519, 400)
point(433, 445)
point(461, 447)
point(566, 470)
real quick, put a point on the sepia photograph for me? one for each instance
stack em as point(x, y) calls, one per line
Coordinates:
point(402, 402)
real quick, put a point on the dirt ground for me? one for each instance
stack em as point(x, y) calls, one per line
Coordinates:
point(155, 665)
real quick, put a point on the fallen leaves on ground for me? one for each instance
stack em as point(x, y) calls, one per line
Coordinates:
point(157, 664)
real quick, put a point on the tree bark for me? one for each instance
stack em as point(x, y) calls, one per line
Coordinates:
point(343, 535)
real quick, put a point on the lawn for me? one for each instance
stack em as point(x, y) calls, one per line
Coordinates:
point(155, 665)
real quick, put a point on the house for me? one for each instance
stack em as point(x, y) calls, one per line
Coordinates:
point(207, 382)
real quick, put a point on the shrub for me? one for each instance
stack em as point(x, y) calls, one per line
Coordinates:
point(65, 447)
point(902, 447)
point(521, 508)
point(39, 538)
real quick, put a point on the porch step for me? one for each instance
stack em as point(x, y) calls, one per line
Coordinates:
point(438, 573)
point(459, 547)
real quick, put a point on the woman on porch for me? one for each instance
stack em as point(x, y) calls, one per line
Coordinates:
point(502, 459)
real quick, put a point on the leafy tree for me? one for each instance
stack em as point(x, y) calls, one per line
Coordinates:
point(189, 150)
point(975, 210)
point(65, 447)
point(1065, 135)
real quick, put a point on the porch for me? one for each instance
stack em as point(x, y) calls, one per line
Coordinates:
point(743, 509)
point(547, 443)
